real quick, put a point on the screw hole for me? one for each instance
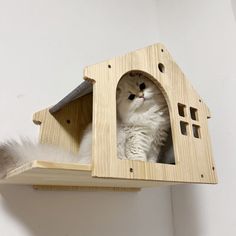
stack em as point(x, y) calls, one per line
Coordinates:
point(200, 100)
point(161, 67)
point(131, 170)
point(109, 66)
point(213, 168)
point(162, 50)
point(202, 176)
point(68, 121)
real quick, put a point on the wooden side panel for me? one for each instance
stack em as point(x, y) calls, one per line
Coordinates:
point(194, 162)
point(65, 127)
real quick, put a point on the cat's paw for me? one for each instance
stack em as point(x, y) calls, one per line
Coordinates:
point(137, 157)
point(122, 157)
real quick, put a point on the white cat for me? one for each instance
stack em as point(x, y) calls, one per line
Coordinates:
point(142, 126)
point(143, 118)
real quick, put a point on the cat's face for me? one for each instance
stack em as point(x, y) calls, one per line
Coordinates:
point(135, 95)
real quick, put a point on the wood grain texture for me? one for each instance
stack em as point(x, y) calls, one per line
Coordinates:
point(83, 188)
point(193, 156)
point(194, 162)
point(65, 127)
point(41, 173)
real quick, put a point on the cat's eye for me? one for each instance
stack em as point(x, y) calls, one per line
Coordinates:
point(142, 86)
point(131, 97)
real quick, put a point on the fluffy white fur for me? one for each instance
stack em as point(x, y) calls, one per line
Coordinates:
point(142, 126)
point(14, 154)
point(144, 121)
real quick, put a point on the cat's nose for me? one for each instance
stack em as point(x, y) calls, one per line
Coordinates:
point(141, 95)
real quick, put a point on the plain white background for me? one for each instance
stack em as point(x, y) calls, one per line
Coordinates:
point(43, 47)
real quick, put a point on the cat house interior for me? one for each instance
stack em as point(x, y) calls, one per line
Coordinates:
point(141, 134)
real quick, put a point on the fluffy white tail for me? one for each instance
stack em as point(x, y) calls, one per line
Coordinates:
point(14, 154)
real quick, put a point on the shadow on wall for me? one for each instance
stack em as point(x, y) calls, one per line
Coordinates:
point(233, 4)
point(59, 213)
point(186, 211)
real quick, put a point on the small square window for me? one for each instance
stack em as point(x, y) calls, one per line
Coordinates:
point(182, 109)
point(196, 131)
point(184, 127)
point(193, 113)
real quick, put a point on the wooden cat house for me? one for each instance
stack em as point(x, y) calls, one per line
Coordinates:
point(95, 101)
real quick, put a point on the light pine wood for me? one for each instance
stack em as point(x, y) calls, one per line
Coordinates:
point(42, 173)
point(193, 156)
point(65, 127)
point(194, 162)
point(83, 188)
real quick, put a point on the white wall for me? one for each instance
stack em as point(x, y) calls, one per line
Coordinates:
point(202, 38)
point(43, 47)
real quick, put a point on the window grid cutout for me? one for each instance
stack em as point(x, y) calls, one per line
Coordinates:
point(184, 126)
point(182, 110)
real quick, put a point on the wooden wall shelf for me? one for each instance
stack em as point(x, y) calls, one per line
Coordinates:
point(64, 123)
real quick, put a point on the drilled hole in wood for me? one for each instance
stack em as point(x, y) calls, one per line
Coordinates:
point(200, 100)
point(184, 127)
point(161, 67)
point(68, 121)
point(213, 168)
point(202, 176)
point(131, 170)
point(193, 113)
point(182, 109)
point(196, 131)
point(109, 66)
point(162, 50)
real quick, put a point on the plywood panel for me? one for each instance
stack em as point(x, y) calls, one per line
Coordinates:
point(194, 161)
point(41, 173)
point(65, 127)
